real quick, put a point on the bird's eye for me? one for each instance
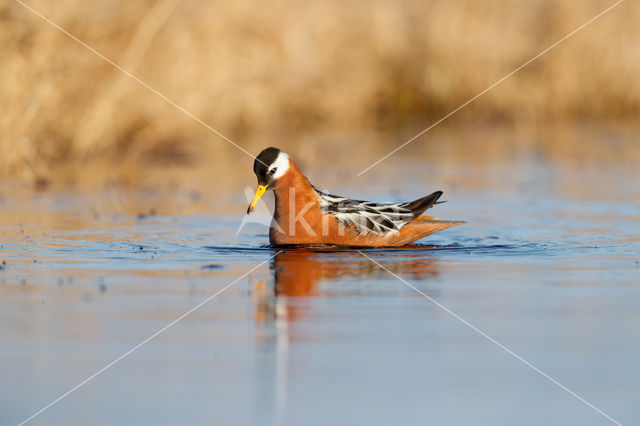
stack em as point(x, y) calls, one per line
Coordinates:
point(272, 171)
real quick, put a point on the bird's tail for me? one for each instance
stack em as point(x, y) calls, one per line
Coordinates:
point(422, 227)
point(421, 205)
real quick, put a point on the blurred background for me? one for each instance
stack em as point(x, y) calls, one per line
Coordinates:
point(119, 212)
point(330, 81)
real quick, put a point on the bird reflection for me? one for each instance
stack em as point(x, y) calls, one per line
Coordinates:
point(300, 276)
point(297, 273)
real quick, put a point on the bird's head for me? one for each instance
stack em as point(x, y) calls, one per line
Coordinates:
point(269, 166)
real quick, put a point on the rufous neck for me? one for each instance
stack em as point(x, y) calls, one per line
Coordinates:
point(292, 182)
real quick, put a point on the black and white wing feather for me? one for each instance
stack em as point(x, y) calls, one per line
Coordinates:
point(371, 217)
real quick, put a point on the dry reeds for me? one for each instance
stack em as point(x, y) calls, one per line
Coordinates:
point(286, 68)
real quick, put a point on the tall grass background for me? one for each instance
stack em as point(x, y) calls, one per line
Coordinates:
point(290, 72)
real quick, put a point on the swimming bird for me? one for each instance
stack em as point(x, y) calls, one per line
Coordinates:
point(307, 216)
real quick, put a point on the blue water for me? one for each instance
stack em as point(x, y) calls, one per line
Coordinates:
point(321, 337)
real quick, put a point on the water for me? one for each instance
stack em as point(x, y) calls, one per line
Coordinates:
point(548, 266)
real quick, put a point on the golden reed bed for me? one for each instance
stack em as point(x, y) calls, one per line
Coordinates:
point(261, 73)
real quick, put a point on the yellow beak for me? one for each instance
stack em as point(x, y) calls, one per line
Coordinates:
point(259, 193)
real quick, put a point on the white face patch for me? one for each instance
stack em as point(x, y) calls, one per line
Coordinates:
point(281, 165)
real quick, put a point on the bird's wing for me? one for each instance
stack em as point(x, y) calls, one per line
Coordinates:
point(366, 216)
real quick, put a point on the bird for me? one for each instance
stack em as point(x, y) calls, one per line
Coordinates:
point(306, 216)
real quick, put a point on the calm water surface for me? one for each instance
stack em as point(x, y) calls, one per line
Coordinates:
point(548, 266)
